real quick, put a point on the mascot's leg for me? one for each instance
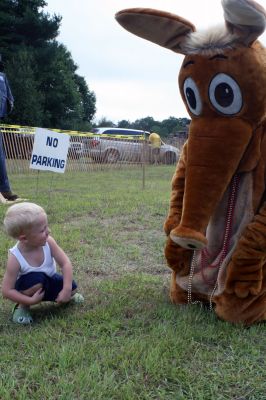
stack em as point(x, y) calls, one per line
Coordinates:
point(178, 259)
point(244, 298)
point(246, 311)
point(180, 296)
point(177, 294)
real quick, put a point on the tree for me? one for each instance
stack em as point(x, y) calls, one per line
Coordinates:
point(124, 124)
point(169, 126)
point(104, 122)
point(88, 100)
point(21, 23)
point(28, 107)
point(54, 94)
point(144, 124)
point(62, 100)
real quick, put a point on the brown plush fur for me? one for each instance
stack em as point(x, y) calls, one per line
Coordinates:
point(217, 148)
point(217, 205)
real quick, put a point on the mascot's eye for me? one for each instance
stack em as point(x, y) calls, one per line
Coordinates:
point(192, 95)
point(225, 94)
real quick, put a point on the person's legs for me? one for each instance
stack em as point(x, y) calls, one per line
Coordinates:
point(4, 182)
point(28, 285)
point(156, 153)
point(21, 313)
point(31, 291)
point(54, 287)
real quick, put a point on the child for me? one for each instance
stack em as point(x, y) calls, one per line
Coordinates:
point(30, 275)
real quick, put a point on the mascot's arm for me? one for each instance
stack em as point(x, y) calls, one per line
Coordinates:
point(177, 194)
point(178, 259)
point(245, 271)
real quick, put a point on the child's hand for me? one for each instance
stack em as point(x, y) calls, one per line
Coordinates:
point(37, 297)
point(64, 296)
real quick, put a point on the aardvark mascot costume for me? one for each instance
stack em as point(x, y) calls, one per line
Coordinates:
point(216, 225)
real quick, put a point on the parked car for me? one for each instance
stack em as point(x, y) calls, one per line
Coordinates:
point(119, 131)
point(75, 150)
point(17, 145)
point(119, 144)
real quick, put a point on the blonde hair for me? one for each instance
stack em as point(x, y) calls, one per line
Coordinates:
point(22, 217)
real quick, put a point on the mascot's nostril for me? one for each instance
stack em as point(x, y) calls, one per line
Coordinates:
point(192, 246)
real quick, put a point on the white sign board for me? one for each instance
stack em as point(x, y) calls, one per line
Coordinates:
point(49, 151)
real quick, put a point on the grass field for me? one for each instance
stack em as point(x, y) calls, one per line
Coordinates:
point(127, 341)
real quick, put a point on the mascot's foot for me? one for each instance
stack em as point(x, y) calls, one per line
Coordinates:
point(9, 198)
point(177, 295)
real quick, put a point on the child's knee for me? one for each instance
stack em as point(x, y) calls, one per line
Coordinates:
point(33, 289)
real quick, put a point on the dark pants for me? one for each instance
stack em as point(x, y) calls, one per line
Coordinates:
point(52, 285)
point(4, 182)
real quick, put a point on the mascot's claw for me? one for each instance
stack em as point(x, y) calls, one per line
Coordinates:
point(178, 258)
point(244, 282)
point(245, 288)
point(170, 224)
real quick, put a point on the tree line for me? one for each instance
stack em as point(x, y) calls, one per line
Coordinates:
point(169, 126)
point(43, 76)
point(47, 89)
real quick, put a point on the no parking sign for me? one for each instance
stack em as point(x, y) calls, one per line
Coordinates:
point(49, 151)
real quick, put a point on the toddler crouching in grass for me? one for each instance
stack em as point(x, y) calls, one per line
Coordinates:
point(31, 275)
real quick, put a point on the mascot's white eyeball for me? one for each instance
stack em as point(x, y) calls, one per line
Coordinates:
point(192, 96)
point(225, 94)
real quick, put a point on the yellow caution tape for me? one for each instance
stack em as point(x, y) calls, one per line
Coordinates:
point(25, 130)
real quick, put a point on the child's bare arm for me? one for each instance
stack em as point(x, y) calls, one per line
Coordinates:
point(8, 286)
point(64, 263)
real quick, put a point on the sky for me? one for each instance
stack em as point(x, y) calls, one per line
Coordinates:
point(132, 78)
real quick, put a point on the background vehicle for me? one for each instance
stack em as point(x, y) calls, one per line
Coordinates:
point(119, 144)
point(119, 131)
point(75, 150)
point(17, 145)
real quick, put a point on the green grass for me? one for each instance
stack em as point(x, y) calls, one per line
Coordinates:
point(127, 341)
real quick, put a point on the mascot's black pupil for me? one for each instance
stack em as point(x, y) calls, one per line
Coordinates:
point(191, 98)
point(224, 95)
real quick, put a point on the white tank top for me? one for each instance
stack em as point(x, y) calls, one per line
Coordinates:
point(48, 266)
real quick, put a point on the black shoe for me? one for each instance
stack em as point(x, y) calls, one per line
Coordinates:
point(9, 196)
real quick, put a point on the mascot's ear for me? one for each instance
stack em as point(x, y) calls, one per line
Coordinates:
point(163, 28)
point(245, 19)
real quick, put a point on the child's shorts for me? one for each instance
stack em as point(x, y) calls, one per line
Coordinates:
point(52, 285)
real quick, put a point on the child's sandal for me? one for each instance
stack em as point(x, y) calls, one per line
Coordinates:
point(77, 298)
point(21, 316)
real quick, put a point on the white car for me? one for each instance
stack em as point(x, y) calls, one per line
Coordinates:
point(119, 144)
point(75, 150)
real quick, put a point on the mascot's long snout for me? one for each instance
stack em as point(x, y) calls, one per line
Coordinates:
point(215, 148)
